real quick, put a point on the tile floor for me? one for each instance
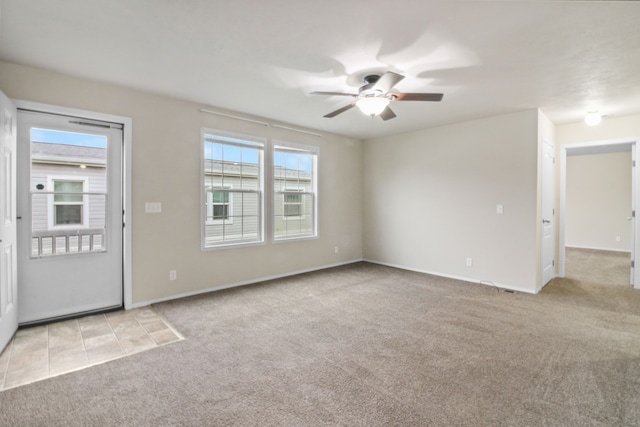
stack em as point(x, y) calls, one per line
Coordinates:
point(45, 351)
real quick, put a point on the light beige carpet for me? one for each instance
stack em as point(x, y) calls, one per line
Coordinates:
point(366, 345)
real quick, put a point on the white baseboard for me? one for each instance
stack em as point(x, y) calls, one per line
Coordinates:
point(237, 284)
point(597, 248)
point(464, 279)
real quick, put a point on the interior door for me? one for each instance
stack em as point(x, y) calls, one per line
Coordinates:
point(548, 211)
point(70, 201)
point(8, 252)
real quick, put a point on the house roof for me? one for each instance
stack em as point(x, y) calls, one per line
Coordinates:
point(215, 167)
point(488, 57)
point(67, 154)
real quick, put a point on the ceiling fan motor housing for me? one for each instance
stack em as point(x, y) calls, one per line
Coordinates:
point(366, 90)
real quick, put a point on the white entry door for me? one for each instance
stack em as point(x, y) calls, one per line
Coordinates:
point(70, 214)
point(548, 212)
point(8, 252)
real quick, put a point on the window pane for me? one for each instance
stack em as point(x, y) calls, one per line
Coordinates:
point(67, 187)
point(232, 215)
point(220, 212)
point(220, 197)
point(68, 214)
point(294, 187)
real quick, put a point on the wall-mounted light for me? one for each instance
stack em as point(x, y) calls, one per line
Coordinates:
point(593, 118)
point(373, 105)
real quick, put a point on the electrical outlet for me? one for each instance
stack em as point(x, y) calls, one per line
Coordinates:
point(336, 249)
point(469, 262)
point(173, 275)
point(617, 238)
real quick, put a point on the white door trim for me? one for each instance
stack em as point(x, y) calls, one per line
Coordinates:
point(127, 123)
point(595, 147)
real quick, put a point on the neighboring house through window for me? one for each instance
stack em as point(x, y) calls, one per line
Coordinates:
point(232, 176)
point(294, 191)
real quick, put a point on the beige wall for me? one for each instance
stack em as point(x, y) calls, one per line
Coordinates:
point(166, 168)
point(598, 201)
point(610, 128)
point(430, 200)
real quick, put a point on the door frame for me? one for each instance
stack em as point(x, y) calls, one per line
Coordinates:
point(598, 147)
point(127, 124)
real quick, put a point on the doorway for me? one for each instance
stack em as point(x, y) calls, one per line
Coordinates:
point(610, 225)
point(72, 202)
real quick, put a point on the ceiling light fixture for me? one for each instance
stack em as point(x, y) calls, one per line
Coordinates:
point(372, 105)
point(593, 118)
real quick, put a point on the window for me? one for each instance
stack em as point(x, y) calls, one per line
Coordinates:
point(295, 191)
point(292, 204)
point(232, 177)
point(68, 204)
point(219, 205)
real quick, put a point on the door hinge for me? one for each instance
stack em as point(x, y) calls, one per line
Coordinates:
point(633, 214)
point(553, 263)
point(633, 164)
point(633, 264)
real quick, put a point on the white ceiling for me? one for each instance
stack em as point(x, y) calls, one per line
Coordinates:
point(264, 57)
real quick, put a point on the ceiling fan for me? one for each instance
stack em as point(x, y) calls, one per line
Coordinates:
point(374, 97)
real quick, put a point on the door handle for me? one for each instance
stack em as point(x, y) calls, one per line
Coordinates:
point(546, 221)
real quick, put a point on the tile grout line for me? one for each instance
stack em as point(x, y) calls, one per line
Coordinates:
point(145, 330)
point(115, 335)
point(84, 347)
point(169, 325)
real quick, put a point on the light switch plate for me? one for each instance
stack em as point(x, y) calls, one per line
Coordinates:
point(153, 207)
point(500, 209)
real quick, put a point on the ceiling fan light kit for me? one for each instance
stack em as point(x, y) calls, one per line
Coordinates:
point(372, 106)
point(374, 97)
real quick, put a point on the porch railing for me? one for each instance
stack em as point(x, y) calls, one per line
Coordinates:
point(64, 242)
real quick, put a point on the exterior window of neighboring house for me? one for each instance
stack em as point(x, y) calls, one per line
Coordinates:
point(232, 177)
point(69, 205)
point(295, 191)
point(219, 205)
point(292, 203)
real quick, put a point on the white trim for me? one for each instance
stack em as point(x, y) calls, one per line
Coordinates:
point(127, 168)
point(484, 282)
point(591, 248)
point(243, 283)
point(593, 147)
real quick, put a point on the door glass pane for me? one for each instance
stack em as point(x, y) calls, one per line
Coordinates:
point(68, 192)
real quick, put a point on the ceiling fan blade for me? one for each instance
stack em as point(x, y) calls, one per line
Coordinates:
point(341, 110)
point(387, 114)
point(418, 96)
point(334, 93)
point(387, 81)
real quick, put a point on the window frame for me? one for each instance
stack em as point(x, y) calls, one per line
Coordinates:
point(242, 141)
point(314, 151)
point(52, 203)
